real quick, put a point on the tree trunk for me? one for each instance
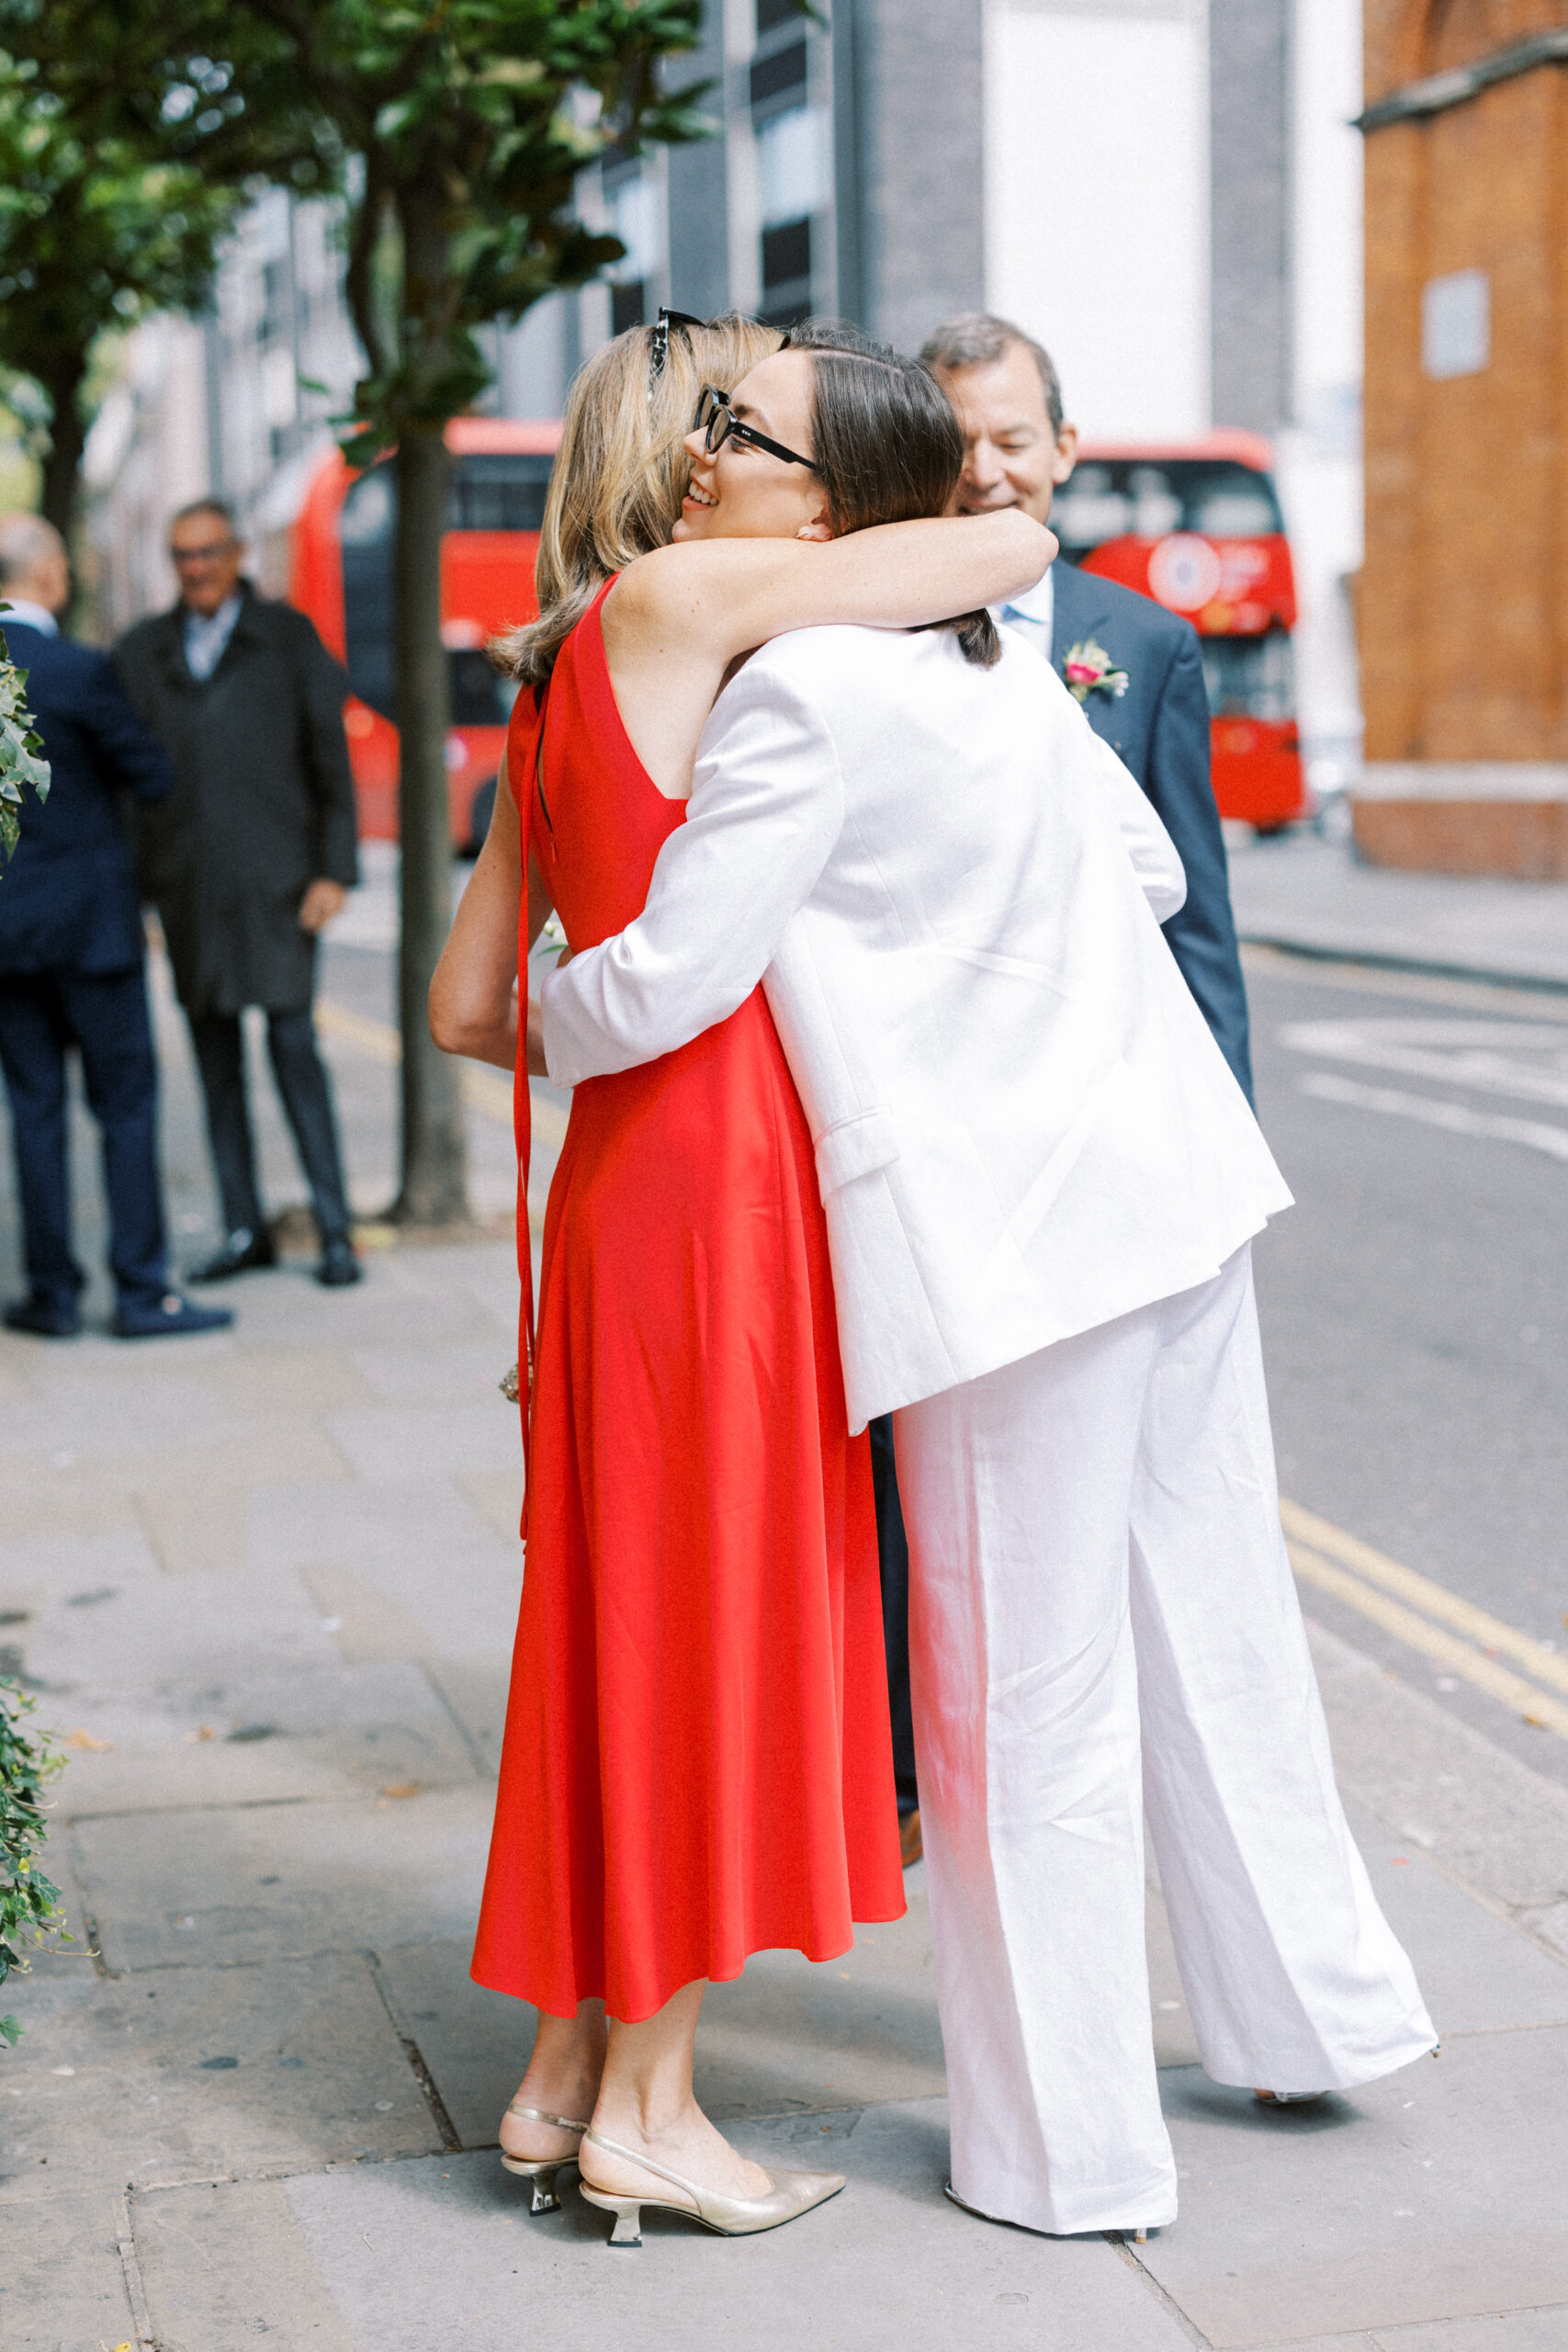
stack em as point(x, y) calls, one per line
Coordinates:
point(435, 1147)
point(62, 468)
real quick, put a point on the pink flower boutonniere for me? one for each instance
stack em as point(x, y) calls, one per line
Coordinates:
point(1089, 669)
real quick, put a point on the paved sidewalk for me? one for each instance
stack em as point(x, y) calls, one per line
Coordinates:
point(268, 1580)
point(1298, 889)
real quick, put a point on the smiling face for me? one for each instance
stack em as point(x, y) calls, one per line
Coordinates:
point(1011, 455)
point(742, 492)
point(206, 556)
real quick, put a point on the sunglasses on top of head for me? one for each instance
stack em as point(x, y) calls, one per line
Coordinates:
point(659, 350)
point(717, 423)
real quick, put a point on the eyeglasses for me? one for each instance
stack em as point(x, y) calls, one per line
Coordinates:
point(661, 351)
point(208, 554)
point(717, 423)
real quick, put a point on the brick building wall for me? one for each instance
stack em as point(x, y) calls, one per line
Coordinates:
point(1463, 607)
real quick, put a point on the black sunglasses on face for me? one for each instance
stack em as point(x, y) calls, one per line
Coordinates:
point(717, 423)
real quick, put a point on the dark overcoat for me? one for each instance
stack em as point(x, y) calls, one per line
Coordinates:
point(68, 901)
point(264, 805)
point(1160, 730)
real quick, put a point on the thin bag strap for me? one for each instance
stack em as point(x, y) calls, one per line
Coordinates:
point(527, 735)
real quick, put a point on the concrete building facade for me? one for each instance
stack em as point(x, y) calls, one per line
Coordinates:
point(1116, 174)
point(1465, 602)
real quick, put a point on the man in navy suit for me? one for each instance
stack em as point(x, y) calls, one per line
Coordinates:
point(70, 965)
point(1018, 450)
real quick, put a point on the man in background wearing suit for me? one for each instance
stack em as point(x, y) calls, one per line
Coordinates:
point(1018, 450)
point(71, 966)
point(248, 862)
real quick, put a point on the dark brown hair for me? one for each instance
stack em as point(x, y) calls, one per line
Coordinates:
point(979, 339)
point(886, 445)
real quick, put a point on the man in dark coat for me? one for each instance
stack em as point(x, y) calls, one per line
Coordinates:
point(1018, 451)
point(71, 966)
point(248, 860)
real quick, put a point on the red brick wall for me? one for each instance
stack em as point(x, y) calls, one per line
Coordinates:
point(1463, 605)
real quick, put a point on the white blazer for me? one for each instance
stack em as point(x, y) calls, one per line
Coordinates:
point(952, 890)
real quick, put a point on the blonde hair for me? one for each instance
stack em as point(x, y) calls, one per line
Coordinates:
point(620, 472)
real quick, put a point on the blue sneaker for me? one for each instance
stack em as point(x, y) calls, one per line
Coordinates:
point(154, 1318)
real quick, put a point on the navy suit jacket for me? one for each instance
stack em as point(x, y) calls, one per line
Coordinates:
point(1160, 730)
point(69, 899)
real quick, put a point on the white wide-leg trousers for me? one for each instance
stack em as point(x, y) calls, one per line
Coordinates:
point(1102, 1619)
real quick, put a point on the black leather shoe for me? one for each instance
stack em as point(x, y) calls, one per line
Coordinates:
point(42, 1319)
point(241, 1254)
point(339, 1266)
point(157, 1318)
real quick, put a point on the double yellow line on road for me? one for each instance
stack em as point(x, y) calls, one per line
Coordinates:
point(1452, 1631)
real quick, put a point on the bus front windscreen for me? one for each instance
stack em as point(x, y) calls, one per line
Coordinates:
point(504, 491)
point(1141, 498)
point(1249, 677)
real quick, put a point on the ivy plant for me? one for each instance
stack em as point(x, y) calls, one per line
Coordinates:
point(22, 763)
point(30, 1911)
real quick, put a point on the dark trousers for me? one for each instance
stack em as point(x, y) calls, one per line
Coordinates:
point(307, 1100)
point(104, 1014)
point(893, 1558)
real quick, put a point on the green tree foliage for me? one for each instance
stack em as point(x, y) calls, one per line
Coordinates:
point(112, 202)
point(29, 1903)
point(22, 763)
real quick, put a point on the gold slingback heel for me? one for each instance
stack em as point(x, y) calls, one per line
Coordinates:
point(543, 2175)
point(792, 2194)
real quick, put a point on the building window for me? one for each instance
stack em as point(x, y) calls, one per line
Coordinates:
point(795, 164)
point(771, 14)
point(633, 200)
point(786, 273)
point(626, 306)
point(778, 77)
point(1456, 325)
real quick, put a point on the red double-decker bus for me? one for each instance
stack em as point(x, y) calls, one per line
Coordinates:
point(1196, 525)
point(340, 573)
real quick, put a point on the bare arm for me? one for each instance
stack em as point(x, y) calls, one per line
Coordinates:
point(727, 595)
point(473, 996)
point(675, 620)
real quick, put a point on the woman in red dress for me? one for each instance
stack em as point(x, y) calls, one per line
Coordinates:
point(696, 1763)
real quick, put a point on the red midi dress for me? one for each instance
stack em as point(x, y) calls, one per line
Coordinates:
point(697, 1762)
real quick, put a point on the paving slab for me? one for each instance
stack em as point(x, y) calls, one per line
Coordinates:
point(184, 2073)
point(62, 2280)
point(1310, 892)
point(1485, 1818)
point(271, 1882)
point(380, 1442)
point(1477, 1973)
point(140, 1631)
point(1374, 2209)
point(439, 2250)
point(249, 1766)
point(227, 2265)
point(1537, 2331)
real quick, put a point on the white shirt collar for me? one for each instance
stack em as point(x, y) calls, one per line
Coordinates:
point(1037, 604)
point(32, 616)
point(207, 635)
